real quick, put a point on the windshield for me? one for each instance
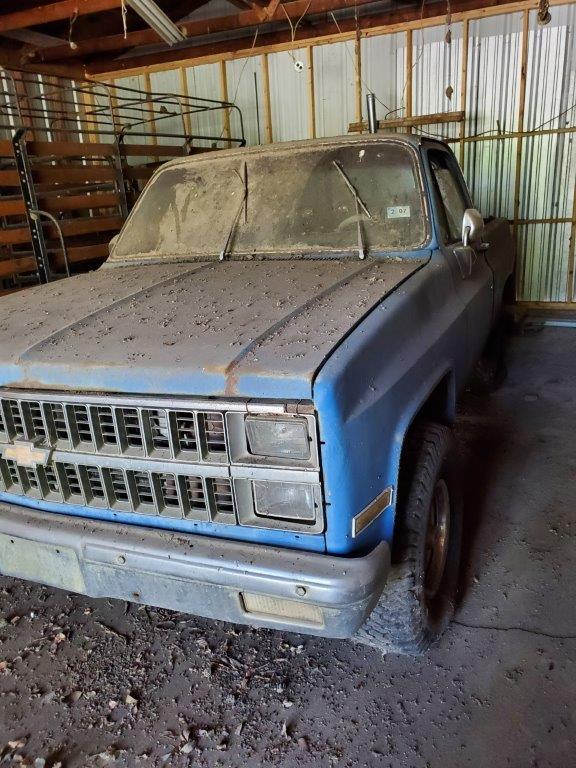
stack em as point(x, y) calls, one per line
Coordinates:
point(280, 202)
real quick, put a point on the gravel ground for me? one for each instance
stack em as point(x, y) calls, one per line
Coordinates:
point(99, 683)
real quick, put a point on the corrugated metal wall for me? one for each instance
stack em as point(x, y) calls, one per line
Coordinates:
point(527, 178)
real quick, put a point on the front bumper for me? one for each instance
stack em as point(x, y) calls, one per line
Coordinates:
point(189, 573)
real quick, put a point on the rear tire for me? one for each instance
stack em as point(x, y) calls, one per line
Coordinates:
point(418, 601)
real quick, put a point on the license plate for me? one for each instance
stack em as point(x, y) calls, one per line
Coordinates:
point(49, 564)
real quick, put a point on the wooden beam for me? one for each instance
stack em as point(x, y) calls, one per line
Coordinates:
point(409, 122)
point(224, 97)
point(521, 106)
point(358, 67)
point(246, 19)
point(267, 102)
point(69, 227)
point(409, 78)
point(314, 29)
point(311, 94)
point(314, 33)
point(19, 265)
point(464, 85)
point(63, 9)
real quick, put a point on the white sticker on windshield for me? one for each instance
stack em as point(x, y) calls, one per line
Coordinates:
point(398, 212)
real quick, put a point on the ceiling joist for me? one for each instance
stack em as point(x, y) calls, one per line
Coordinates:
point(246, 19)
point(311, 32)
point(59, 11)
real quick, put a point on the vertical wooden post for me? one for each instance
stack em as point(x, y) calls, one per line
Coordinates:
point(409, 68)
point(311, 94)
point(186, 94)
point(267, 104)
point(463, 87)
point(571, 253)
point(113, 104)
point(224, 97)
point(358, 60)
point(519, 140)
point(87, 105)
point(21, 95)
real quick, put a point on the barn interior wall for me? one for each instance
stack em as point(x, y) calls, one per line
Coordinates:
point(515, 144)
point(514, 79)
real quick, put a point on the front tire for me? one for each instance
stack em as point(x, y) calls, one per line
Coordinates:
point(418, 601)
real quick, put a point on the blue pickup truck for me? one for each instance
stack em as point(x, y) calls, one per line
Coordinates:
point(246, 413)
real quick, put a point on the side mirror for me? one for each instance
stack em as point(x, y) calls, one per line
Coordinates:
point(472, 227)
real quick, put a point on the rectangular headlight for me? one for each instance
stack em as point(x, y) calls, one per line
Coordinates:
point(278, 438)
point(284, 501)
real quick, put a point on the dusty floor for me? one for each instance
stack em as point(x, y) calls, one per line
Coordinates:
point(86, 683)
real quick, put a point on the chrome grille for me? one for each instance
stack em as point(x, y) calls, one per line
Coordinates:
point(154, 493)
point(165, 433)
point(180, 458)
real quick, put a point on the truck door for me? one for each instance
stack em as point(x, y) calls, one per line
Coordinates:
point(472, 275)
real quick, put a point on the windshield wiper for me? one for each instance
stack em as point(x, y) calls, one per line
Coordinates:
point(352, 188)
point(243, 204)
point(359, 204)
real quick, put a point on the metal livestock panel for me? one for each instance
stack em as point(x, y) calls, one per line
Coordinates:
point(169, 83)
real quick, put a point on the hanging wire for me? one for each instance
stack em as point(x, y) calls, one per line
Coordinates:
point(240, 76)
point(294, 27)
point(71, 42)
point(354, 61)
point(124, 12)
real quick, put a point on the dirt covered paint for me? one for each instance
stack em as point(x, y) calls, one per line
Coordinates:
point(195, 328)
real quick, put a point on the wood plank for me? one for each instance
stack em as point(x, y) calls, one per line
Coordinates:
point(141, 172)
point(379, 23)
point(17, 266)
point(88, 252)
point(27, 264)
point(143, 150)
point(75, 174)
point(63, 9)
point(521, 105)
point(267, 101)
point(224, 97)
point(70, 228)
point(61, 175)
point(57, 204)
point(69, 149)
point(358, 67)
point(212, 25)
point(12, 207)
point(464, 85)
point(311, 94)
point(403, 122)
point(409, 81)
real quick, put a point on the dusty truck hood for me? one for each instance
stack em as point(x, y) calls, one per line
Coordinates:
point(249, 328)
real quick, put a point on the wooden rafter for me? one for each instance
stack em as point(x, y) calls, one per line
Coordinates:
point(315, 30)
point(244, 20)
point(63, 9)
